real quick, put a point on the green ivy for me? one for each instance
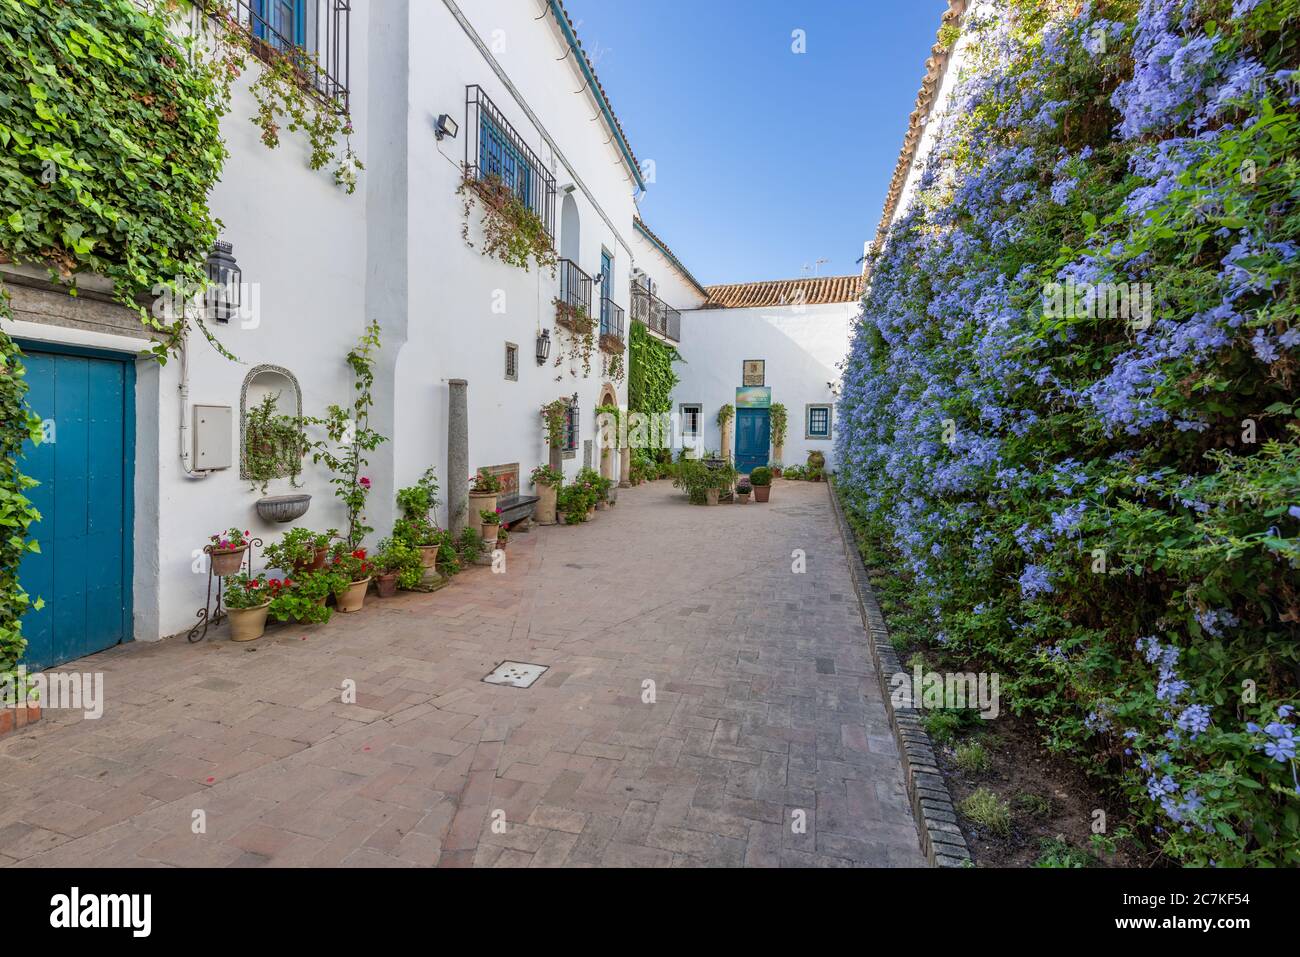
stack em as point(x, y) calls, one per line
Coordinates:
point(651, 379)
point(111, 145)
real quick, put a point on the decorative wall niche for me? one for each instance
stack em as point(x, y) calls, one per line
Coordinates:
point(278, 387)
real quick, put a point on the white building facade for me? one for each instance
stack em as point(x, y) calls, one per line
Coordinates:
point(432, 88)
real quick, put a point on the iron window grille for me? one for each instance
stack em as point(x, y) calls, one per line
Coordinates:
point(313, 34)
point(495, 152)
point(611, 322)
point(652, 312)
point(512, 361)
point(571, 427)
point(575, 287)
point(691, 420)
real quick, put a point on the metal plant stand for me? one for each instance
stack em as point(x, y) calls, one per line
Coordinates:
point(213, 614)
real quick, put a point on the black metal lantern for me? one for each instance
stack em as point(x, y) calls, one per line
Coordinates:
point(225, 277)
point(543, 346)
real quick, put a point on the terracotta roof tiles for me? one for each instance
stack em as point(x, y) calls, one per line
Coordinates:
point(809, 291)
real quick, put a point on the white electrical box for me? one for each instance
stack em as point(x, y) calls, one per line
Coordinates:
point(212, 437)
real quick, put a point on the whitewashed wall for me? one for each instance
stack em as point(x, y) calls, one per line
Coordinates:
point(801, 345)
point(673, 287)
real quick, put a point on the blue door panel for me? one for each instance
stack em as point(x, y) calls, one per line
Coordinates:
point(753, 438)
point(83, 571)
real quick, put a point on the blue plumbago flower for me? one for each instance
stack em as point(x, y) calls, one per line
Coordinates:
point(1035, 580)
point(1280, 749)
point(1195, 718)
point(1285, 711)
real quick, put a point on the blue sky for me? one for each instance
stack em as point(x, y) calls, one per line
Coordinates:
point(766, 160)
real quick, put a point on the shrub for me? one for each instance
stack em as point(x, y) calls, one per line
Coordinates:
point(1098, 496)
point(972, 757)
point(1057, 852)
point(987, 810)
point(761, 476)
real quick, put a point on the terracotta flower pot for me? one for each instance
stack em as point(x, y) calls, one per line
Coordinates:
point(762, 492)
point(386, 585)
point(480, 501)
point(711, 496)
point(248, 624)
point(742, 498)
point(228, 561)
point(544, 513)
point(428, 555)
point(561, 517)
point(354, 597)
point(488, 533)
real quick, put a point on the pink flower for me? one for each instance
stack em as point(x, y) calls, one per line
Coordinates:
point(365, 482)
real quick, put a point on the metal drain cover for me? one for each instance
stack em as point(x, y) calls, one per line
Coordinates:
point(516, 674)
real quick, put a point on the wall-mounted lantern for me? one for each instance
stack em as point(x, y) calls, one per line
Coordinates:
point(222, 297)
point(543, 346)
point(446, 126)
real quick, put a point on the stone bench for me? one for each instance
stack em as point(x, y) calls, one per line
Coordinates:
point(516, 508)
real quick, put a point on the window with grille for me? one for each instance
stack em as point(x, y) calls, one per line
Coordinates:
point(691, 420)
point(571, 428)
point(819, 422)
point(512, 362)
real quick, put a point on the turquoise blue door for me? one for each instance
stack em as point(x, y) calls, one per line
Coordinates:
point(753, 437)
point(86, 468)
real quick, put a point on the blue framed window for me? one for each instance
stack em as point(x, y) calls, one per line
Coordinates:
point(571, 428)
point(499, 157)
point(819, 422)
point(280, 22)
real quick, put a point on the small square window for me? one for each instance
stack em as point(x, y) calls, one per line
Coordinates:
point(818, 422)
point(512, 362)
point(691, 420)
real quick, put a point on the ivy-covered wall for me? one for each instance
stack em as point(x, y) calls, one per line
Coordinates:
point(1069, 420)
point(650, 378)
point(109, 145)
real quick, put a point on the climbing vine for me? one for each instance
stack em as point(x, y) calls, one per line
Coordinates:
point(17, 426)
point(555, 414)
point(579, 337)
point(274, 444)
point(1069, 422)
point(512, 231)
point(651, 378)
point(614, 369)
point(348, 437)
point(780, 423)
point(725, 415)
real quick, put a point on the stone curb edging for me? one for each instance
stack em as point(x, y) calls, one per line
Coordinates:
point(942, 841)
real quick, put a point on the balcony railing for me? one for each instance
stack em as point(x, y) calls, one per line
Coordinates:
point(313, 35)
point(611, 326)
point(495, 152)
point(575, 291)
point(655, 314)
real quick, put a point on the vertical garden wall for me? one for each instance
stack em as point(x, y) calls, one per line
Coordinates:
point(1070, 422)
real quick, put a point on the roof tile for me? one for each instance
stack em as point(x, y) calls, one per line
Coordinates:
point(809, 291)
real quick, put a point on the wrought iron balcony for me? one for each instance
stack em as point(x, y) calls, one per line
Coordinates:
point(611, 326)
point(575, 293)
point(655, 314)
point(496, 153)
point(313, 35)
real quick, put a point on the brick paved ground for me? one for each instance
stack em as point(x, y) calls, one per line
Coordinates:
point(765, 706)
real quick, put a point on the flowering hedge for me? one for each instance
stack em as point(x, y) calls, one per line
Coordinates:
point(1069, 414)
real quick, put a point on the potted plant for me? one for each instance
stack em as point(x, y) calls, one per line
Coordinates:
point(692, 476)
point(503, 538)
point(300, 551)
point(226, 551)
point(571, 505)
point(247, 601)
point(397, 565)
point(420, 534)
point(303, 599)
point(816, 464)
point(489, 522)
point(547, 481)
point(761, 480)
point(356, 570)
point(723, 481)
point(448, 563)
point(483, 491)
point(470, 546)
point(743, 488)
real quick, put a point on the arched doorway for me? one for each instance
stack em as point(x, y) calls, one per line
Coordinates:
point(608, 450)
